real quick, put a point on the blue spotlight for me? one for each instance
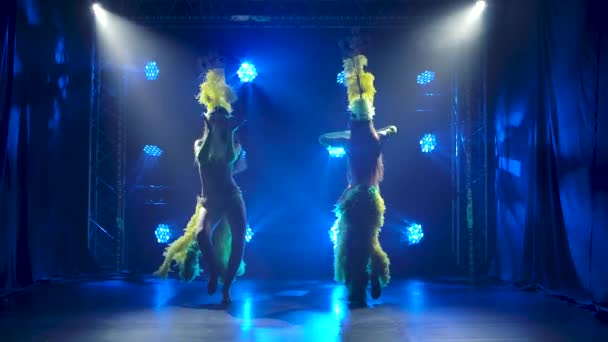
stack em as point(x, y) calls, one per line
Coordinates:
point(428, 143)
point(340, 77)
point(414, 233)
point(247, 72)
point(336, 152)
point(163, 233)
point(153, 150)
point(249, 234)
point(333, 232)
point(426, 77)
point(151, 71)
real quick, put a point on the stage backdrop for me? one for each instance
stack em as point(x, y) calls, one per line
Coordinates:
point(550, 77)
point(291, 184)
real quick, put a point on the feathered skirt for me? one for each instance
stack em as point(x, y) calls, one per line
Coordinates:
point(357, 253)
point(185, 251)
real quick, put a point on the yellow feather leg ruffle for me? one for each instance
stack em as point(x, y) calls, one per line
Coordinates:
point(178, 250)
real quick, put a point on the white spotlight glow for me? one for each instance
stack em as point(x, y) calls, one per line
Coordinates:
point(480, 5)
point(100, 14)
point(477, 10)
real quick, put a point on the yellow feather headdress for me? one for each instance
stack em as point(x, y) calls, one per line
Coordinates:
point(360, 85)
point(214, 92)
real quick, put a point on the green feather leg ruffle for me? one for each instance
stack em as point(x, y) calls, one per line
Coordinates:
point(185, 252)
point(359, 219)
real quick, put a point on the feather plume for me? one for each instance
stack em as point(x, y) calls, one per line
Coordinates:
point(360, 85)
point(214, 92)
point(178, 250)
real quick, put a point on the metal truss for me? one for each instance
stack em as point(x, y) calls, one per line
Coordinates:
point(470, 233)
point(280, 13)
point(107, 143)
point(470, 229)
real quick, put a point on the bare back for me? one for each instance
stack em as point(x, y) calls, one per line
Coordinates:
point(364, 153)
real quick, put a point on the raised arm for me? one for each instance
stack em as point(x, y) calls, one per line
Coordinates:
point(335, 139)
point(233, 141)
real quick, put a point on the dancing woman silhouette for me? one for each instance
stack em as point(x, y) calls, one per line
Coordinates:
point(358, 256)
point(217, 228)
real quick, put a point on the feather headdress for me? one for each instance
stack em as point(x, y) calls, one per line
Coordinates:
point(214, 92)
point(360, 85)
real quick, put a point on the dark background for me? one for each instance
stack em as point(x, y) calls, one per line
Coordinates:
point(291, 183)
point(546, 104)
point(549, 101)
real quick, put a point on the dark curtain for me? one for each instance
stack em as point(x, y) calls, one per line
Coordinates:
point(548, 95)
point(43, 184)
point(15, 266)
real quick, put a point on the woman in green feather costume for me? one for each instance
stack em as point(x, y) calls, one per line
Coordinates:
point(217, 228)
point(358, 256)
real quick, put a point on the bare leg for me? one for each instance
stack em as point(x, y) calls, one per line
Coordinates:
point(357, 260)
point(203, 236)
point(376, 288)
point(236, 218)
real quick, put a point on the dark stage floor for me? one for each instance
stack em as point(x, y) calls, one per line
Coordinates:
point(153, 310)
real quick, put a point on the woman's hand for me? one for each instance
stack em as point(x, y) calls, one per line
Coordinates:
point(388, 131)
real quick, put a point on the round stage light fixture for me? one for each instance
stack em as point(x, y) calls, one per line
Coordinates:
point(163, 233)
point(247, 72)
point(151, 71)
point(336, 152)
point(414, 233)
point(428, 143)
point(340, 77)
point(249, 234)
point(153, 150)
point(425, 77)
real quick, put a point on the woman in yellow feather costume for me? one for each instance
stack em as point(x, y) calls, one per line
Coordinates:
point(220, 204)
point(358, 256)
